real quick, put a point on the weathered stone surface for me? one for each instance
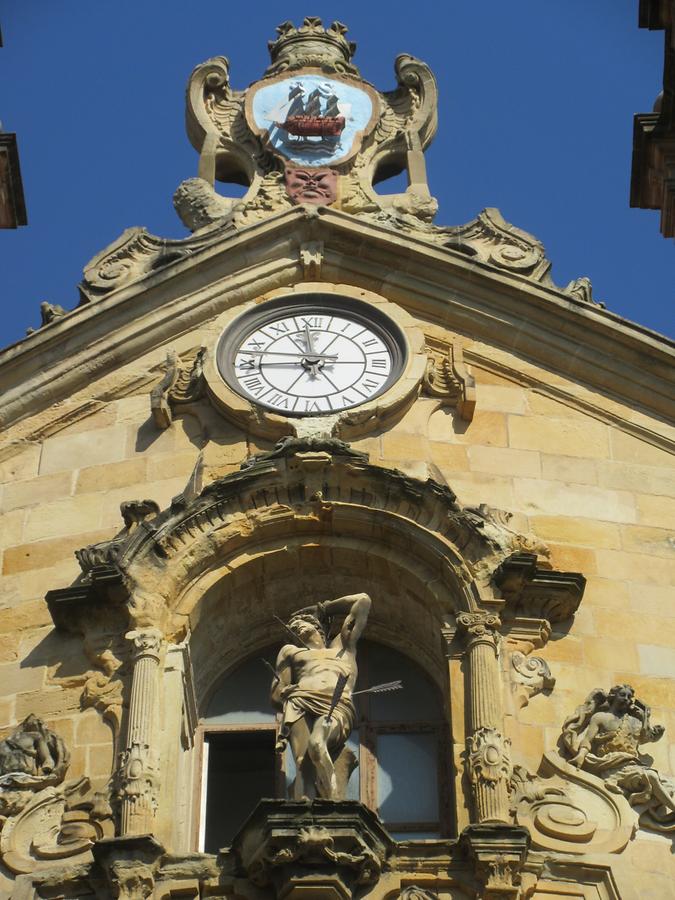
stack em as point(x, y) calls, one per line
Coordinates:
point(569, 433)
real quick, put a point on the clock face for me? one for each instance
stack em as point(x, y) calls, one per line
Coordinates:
point(311, 354)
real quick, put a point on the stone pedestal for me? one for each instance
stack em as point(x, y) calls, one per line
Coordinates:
point(320, 849)
point(129, 865)
point(498, 853)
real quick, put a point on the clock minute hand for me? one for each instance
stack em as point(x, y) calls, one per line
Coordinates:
point(294, 355)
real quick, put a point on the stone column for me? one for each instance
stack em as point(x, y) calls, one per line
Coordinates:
point(488, 750)
point(138, 776)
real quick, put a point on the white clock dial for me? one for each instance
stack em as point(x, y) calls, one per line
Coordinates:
point(305, 360)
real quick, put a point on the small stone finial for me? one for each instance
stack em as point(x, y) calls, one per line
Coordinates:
point(312, 45)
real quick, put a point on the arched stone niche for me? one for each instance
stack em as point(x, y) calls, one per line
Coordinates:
point(230, 610)
point(310, 520)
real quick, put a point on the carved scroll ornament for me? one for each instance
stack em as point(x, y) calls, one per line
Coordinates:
point(530, 675)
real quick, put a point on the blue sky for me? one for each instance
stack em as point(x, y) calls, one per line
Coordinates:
point(536, 108)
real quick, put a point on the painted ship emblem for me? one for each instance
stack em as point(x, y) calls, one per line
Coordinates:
point(312, 120)
point(314, 116)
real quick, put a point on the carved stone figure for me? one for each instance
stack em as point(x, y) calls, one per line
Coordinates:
point(604, 735)
point(313, 686)
point(32, 756)
point(305, 185)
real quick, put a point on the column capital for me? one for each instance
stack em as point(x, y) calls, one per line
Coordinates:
point(146, 643)
point(479, 627)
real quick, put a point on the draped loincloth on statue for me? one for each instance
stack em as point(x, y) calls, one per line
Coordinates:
point(300, 701)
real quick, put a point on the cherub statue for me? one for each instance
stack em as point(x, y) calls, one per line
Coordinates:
point(604, 736)
point(32, 756)
point(313, 687)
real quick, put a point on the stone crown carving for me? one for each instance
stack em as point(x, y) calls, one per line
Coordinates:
point(311, 45)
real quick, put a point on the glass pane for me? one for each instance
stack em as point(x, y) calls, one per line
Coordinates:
point(353, 792)
point(416, 702)
point(241, 772)
point(244, 696)
point(407, 777)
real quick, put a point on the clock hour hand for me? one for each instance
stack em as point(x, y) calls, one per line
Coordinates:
point(308, 338)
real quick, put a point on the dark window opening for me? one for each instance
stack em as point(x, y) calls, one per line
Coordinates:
point(241, 769)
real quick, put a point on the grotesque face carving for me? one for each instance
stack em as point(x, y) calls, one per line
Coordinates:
point(317, 186)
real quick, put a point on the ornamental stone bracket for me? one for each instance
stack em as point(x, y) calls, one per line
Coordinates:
point(324, 849)
point(182, 385)
point(447, 378)
point(536, 598)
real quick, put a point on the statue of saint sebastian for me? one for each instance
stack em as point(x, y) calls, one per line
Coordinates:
point(304, 689)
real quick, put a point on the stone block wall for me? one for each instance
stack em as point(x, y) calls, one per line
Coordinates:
point(576, 469)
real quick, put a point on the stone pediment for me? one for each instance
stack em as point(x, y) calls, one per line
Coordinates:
point(149, 307)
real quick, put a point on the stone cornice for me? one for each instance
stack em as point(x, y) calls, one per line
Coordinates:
point(538, 322)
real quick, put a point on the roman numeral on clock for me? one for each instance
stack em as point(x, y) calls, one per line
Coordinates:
point(277, 399)
point(254, 385)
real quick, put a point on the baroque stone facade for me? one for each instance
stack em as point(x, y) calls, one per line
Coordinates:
point(496, 477)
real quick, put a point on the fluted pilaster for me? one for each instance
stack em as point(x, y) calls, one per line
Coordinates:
point(488, 750)
point(137, 776)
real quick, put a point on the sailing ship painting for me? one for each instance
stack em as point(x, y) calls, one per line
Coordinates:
point(311, 119)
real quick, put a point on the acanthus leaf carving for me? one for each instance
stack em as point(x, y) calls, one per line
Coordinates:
point(137, 778)
point(489, 757)
point(335, 842)
point(415, 892)
point(498, 852)
point(135, 254)
point(129, 865)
